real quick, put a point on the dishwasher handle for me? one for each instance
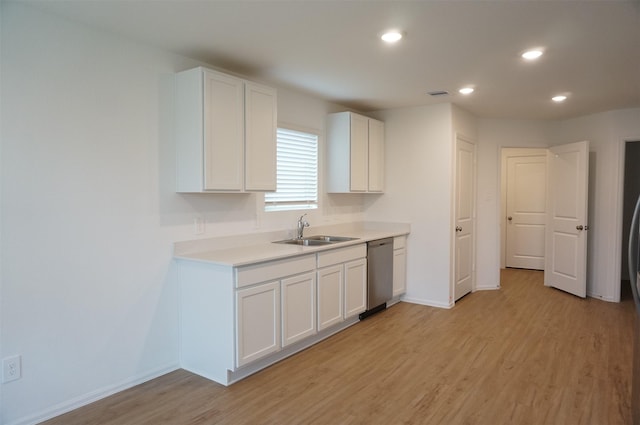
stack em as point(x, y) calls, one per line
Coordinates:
point(380, 242)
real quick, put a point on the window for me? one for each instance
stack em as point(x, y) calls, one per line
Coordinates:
point(297, 169)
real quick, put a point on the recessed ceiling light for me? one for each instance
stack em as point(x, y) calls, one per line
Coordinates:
point(559, 98)
point(391, 36)
point(466, 90)
point(532, 54)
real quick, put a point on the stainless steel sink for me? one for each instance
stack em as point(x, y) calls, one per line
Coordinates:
point(317, 240)
point(330, 238)
point(305, 242)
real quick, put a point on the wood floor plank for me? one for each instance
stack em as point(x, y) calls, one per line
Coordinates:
point(526, 354)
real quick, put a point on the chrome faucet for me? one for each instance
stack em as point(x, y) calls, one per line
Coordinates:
point(302, 223)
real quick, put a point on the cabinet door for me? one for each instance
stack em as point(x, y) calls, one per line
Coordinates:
point(298, 307)
point(376, 156)
point(355, 287)
point(260, 137)
point(223, 132)
point(399, 271)
point(359, 158)
point(257, 322)
point(330, 289)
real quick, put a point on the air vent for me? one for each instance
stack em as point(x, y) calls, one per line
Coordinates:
point(438, 93)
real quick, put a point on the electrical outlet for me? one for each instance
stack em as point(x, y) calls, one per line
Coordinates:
point(198, 225)
point(11, 369)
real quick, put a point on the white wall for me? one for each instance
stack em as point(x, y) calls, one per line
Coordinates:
point(407, 130)
point(464, 123)
point(89, 212)
point(88, 292)
point(418, 158)
point(606, 133)
point(495, 134)
point(1, 189)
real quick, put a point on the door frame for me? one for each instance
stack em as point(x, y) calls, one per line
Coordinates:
point(619, 205)
point(505, 153)
point(454, 185)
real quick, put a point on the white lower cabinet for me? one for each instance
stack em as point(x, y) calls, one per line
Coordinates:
point(355, 287)
point(342, 284)
point(298, 307)
point(258, 322)
point(399, 266)
point(235, 321)
point(330, 289)
point(273, 297)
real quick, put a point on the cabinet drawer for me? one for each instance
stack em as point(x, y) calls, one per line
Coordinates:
point(399, 242)
point(341, 255)
point(272, 270)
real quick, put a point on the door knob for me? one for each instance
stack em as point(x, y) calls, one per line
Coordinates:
point(509, 218)
point(580, 227)
point(458, 229)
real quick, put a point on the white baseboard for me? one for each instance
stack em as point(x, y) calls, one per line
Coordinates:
point(429, 303)
point(96, 395)
point(600, 297)
point(487, 288)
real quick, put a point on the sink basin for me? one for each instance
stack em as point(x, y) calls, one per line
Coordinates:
point(330, 238)
point(305, 242)
point(317, 240)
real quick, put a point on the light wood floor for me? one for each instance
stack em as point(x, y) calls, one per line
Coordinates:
point(526, 354)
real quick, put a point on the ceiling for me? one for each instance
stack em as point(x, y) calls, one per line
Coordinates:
point(332, 49)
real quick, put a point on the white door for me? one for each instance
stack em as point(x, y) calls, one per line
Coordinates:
point(566, 241)
point(464, 218)
point(526, 213)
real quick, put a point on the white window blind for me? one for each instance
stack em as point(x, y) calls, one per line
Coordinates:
point(297, 169)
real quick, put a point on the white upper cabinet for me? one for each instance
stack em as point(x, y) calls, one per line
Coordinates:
point(223, 114)
point(225, 133)
point(358, 153)
point(376, 155)
point(261, 123)
point(355, 152)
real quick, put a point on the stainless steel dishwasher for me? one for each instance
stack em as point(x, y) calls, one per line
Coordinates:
point(379, 275)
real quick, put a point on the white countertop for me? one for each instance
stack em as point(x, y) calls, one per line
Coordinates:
point(243, 250)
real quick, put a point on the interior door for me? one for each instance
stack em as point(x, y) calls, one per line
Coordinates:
point(566, 234)
point(526, 212)
point(464, 262)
